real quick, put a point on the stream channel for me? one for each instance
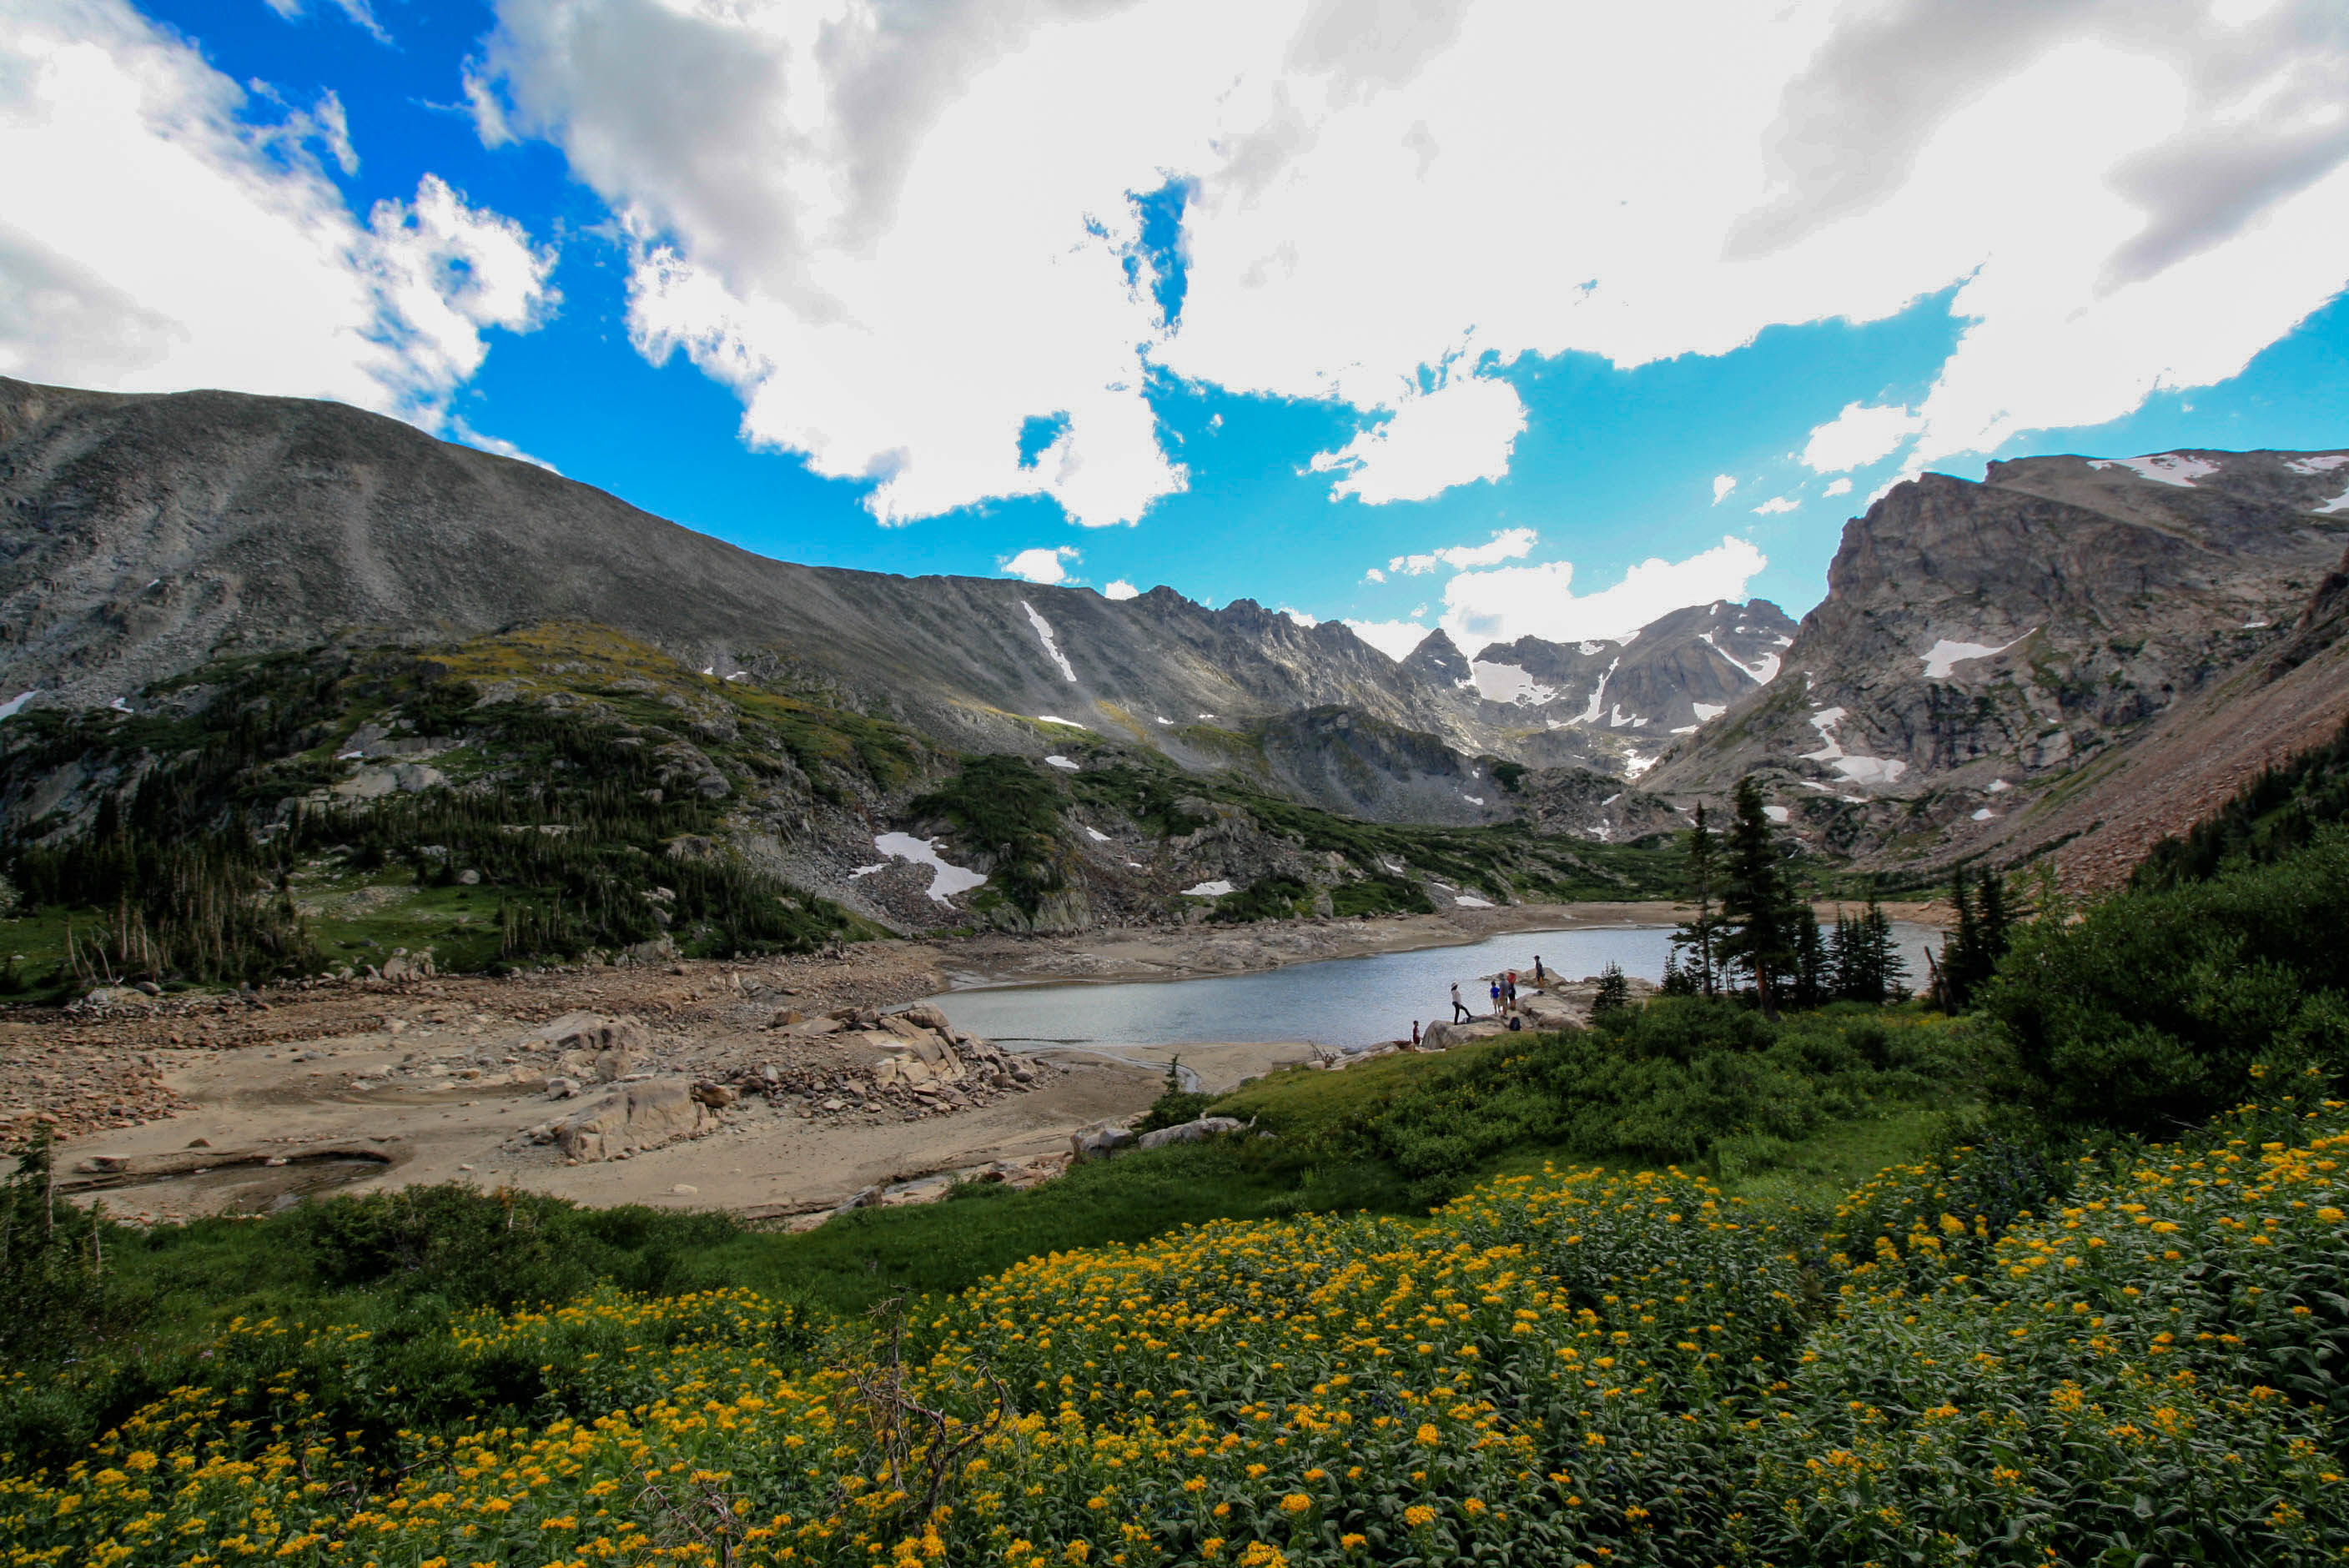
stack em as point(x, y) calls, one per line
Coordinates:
point(1336, 1002)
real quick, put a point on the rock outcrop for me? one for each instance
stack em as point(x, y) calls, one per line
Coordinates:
point(630, 1117)
point(1983, 646)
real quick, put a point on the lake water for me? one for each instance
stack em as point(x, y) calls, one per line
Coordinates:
point(1335, 1002)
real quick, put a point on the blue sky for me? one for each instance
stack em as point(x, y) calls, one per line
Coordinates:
point(1066, 234)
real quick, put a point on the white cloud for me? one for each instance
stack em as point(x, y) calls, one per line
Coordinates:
point(358, 11)
point(1507, 544)
point(881, 226)
point(1778, 504)
point(1859, 435)
point(153, 240)
point(1395, 639)
point(1120, 588)
point(1513, 602)
point(1722, 485)
point(1374, 575)
point(1462, 431)
point(1040, 565)
point(1838, 487)
point(1299, 617)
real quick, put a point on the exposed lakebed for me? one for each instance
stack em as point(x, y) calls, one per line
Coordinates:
point(1331, 1002)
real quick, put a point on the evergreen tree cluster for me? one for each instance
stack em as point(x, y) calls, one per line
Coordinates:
point(1753, 931)
point(1984, 930)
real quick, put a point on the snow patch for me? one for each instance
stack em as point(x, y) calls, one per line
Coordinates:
point(1470, 901)
point(1598, 695)
point(945, 880)
point(1062, 763)
point(1946, 655)
point(1858, 769)
point(868, 871)
point(1984, 815)
point(1164, 719)
point(1778, 814)
point(2000, 785)
point(1055, 719)
point(1507, 682)
point(15, 705)
point(1044, 635)
point(1611, 800)
point(1635, 766)
point(2163, 468)
point(2323, 465)
point(1761, 672)
point(1207, 889)
point(2254, 625)
point(1588, 649)
point(1706, 712)
point(119, 706)
point(1206, 718)
point(1097, 836)
point(1474, 799)
point(2338, 503)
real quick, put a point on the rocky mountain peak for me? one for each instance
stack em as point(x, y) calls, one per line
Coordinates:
point(1439, 661)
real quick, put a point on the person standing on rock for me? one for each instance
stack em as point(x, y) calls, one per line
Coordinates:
point(1415, 1034)
point(1459, 1009)
point(1496, 995)
point(1541, 976)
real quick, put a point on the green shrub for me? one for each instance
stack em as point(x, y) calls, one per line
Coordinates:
point(2155, 1010)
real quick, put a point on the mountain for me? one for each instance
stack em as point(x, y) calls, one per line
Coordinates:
point(142, 536)
point(1988, 652)
point(1676, 674)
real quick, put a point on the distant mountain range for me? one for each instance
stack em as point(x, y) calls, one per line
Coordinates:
point(143, 535)
point(1988, 659)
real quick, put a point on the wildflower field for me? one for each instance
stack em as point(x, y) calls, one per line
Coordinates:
point(1575, 1367)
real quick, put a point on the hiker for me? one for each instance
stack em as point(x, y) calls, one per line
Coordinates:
point(1496, 995)
point(1541, 977)
point(1459, 1009)
point(1509, 989)
point(1415, 1034)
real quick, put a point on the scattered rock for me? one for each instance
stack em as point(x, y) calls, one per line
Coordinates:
point(634, 1117)
point(1098, 1141)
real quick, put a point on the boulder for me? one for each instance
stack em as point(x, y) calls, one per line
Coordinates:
point(1098, 1141)
point(634, 1115)
point(1203, 1128)
point(716, 1096)
point(605, 1051)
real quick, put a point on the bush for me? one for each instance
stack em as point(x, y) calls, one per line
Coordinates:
point(2156, 1010)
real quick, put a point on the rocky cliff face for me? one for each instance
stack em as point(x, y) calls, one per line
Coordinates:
point(1982, 646)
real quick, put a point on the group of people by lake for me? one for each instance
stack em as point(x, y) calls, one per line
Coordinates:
point(1501, 992)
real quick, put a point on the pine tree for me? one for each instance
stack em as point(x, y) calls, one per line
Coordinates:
point(1755, 901)
point(1614, 991)
point(1814, 978)
point(1700, 936)
point(1889, 971)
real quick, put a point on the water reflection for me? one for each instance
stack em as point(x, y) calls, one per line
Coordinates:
point(1337, 1001)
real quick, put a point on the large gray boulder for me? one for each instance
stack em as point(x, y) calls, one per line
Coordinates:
point(1205, 1127)
point(1098, 1141)
point(632, 1117)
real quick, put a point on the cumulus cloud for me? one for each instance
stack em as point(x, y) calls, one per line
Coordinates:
point(1375, 574)
point(879, 224)
point(1778, 504)
point(1395, 639)
point(1838, 487)
point(1722, 485)
point(1119, 588)
point(219, 254)
point(1507, 544)
point(1042, 564)
point(1513, 602)
point(1859, 435)
point(1462, 431)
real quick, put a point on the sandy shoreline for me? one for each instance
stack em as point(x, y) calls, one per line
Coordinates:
point(418, 1076)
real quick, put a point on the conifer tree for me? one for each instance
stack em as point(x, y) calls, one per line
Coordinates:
point(1755, 901)
point(1701, 934)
